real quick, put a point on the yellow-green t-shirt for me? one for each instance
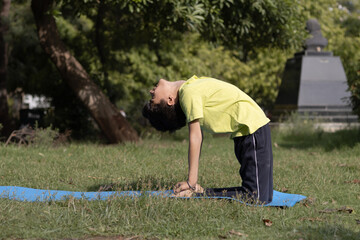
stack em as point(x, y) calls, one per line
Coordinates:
point(220, 107)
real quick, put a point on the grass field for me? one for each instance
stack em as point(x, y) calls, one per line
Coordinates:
point(325, 167)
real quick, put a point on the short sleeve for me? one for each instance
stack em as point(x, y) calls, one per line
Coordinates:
point(192, 105)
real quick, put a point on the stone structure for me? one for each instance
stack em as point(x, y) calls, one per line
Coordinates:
point(314, 83)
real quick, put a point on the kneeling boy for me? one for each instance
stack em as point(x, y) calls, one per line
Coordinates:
point(218, 107)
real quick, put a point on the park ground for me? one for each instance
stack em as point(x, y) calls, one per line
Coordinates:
point(323, 166)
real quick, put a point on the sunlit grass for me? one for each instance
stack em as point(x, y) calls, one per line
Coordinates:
point(320, 166)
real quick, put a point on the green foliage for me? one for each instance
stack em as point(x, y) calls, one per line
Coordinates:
point(243, 25)
point(248, 25)
point(352, 26)
point(261, 76)
point(28, 67)
point(349, 50)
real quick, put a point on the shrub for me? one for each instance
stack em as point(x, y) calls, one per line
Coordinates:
point(44, 137)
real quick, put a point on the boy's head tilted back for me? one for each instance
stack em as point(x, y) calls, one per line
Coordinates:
point(163, 110)
point(164, 117)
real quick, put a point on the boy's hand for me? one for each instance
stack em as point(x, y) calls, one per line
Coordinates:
point(182, 189)
point(181, 186)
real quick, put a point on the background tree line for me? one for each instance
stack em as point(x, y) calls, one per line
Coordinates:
point(115, 50)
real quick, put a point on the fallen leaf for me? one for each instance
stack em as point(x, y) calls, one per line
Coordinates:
point(71, 181)
point(354, 181)
point(41, 154)
point(276, 145)
point(342, 209)
point(267, 222)
point(342, 165)
point(233, 232)
point(346, 209)
point(284, 190)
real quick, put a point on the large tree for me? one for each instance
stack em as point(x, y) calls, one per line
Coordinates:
point(108, 117)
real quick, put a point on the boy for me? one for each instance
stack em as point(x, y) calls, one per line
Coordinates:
point(218, 107)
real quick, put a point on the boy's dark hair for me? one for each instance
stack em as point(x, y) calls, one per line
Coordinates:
point(164, 117)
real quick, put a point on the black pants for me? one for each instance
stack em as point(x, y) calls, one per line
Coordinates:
point(254, 153)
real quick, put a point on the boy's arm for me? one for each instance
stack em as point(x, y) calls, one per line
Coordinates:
point(195, 141)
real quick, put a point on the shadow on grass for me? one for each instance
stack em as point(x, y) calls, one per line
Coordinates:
point(326, 140)
point(335, 231)
point(148, 183)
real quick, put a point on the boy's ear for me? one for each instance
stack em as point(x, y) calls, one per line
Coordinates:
point(171, 101)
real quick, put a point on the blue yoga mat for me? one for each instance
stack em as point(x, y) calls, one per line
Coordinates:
point(40, 195)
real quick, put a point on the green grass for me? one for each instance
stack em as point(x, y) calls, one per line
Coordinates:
point(315, 164)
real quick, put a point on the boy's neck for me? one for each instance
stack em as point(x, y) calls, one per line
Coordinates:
point(177, 85)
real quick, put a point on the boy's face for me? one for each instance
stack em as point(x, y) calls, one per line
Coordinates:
point(160, 92)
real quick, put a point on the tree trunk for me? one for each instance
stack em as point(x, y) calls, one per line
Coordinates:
point(4, 109)
point(115, 127)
